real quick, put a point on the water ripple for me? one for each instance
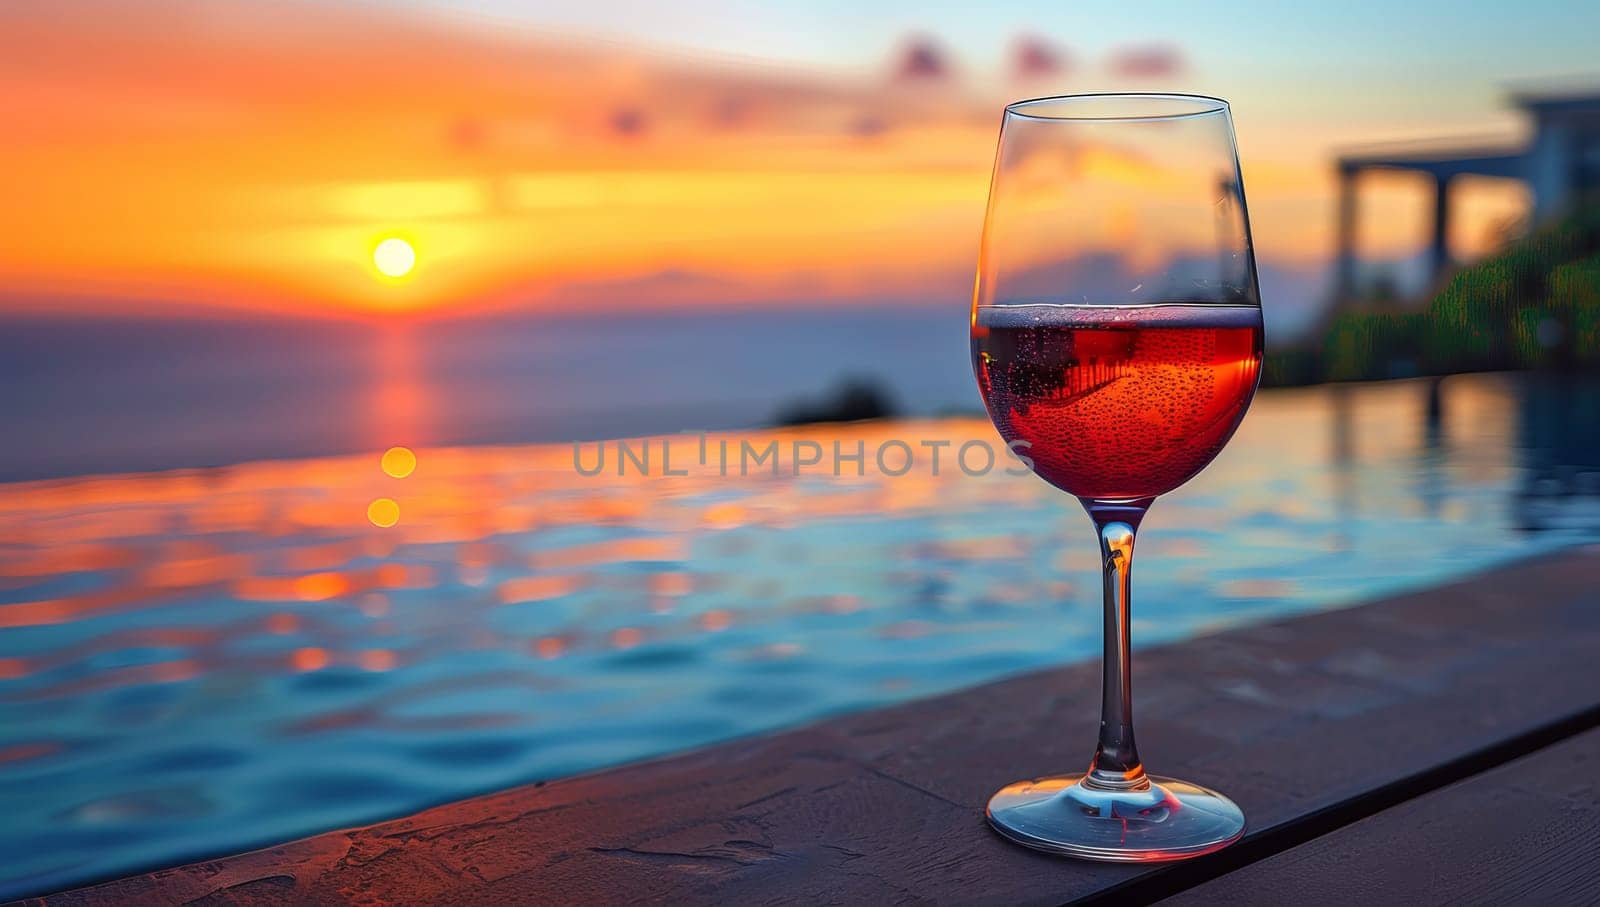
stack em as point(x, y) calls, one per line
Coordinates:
point(201, 661)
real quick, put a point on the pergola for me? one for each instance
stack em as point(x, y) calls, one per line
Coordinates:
point(1441, 165)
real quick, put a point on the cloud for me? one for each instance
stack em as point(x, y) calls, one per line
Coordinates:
point(629, 122)
point(468, 134)
point(868, 125)
point(1156, 61)
point(1034, 57)
point(922, 60)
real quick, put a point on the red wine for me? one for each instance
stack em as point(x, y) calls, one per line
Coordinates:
point(1118, 403)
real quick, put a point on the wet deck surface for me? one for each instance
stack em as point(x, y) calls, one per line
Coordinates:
point(1432, 746)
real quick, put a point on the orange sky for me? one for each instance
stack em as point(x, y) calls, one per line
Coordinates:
point(253, 155)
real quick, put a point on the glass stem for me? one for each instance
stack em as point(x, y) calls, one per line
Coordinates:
point(1116, 763)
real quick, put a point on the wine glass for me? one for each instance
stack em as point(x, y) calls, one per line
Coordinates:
point(1116, 338)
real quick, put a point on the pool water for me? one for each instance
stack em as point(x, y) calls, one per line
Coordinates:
point(201, 662)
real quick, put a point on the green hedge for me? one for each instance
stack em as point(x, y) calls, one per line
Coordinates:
point(1534, 304)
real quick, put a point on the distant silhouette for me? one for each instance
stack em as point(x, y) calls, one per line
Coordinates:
point(854, 400)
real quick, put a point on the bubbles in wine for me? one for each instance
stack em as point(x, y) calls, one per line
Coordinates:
point(1118, 402)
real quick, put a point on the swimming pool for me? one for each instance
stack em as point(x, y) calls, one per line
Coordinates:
point(201, 662)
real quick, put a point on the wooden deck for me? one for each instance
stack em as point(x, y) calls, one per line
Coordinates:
point(1421, 749)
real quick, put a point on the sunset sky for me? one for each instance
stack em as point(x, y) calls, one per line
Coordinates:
point(570, 156)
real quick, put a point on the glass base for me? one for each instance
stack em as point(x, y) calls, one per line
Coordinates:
point(1169, 820)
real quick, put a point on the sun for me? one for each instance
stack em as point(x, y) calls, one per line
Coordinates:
point(394, 257)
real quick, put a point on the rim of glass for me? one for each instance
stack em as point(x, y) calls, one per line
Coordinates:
point(1194, 105)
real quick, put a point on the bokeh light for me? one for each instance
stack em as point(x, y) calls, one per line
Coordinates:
point(383, 512)
point(398, 462)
